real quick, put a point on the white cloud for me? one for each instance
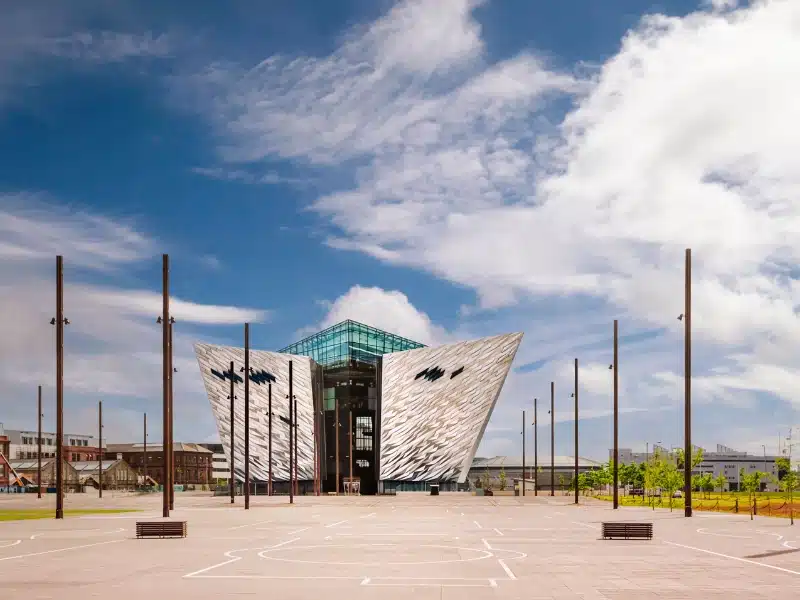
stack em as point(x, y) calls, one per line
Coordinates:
point(112, 344)
point(37, 36)
point(107, 46)
point(389, 310)
point(722, 4)
point(687, 137)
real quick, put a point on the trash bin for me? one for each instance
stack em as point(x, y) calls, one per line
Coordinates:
point(435, 489)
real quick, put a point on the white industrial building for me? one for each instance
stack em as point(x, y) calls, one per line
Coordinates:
point(725, 461)
point(23, 445)
point(220, 469)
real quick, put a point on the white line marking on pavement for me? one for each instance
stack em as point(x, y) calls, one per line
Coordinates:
point(231, 559)
point(59, 550)
point(337, 523)
point(365, 581)
point(282, 577)
point(389, 534)
point(35, 535)
point(369, 515)
point(777, 535)
point(744, 560)
point(508, 571)
point(585, 525)
point(298, 531)
point(15, 543)
point(498, 531)
point(250, 525)
point(478, 525)
point(485, 543)
point(492, 583)
point(329, 537)
point(702, 530)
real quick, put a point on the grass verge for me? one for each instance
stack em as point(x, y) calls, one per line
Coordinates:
point(25, 514)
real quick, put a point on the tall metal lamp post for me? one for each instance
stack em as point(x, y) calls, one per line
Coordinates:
point(686, 317)
point(59, 321)
point(615, 368)
point(535, 448)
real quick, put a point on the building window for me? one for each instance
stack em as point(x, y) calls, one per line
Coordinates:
point(363, 433)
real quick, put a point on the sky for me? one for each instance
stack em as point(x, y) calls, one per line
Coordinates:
point(443, 170)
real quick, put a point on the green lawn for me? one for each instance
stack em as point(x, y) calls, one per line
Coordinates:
point(767, 503)
point(49, 513)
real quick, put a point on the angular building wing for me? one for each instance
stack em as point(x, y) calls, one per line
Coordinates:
point(435, 404)
point(379, 409)
point(269, 376)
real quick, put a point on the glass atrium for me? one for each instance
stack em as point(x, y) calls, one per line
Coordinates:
point(349, 341)
point(349, 353)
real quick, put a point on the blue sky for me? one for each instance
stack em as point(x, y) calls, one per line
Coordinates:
point(443, 170)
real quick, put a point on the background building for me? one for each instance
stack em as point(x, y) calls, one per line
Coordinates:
point(512, 467)
point(28, 470)
point(5, 469)
point(417, 413)
point(117, 474)
point(220, 469)
point(192, 461)
point(77, 447)
point(724, 461)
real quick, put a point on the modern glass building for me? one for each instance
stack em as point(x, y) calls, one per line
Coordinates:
point(385, 410)
point(349, 354)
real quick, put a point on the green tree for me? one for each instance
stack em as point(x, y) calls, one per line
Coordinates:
point(669, 478)
point(751, 483)
point(697, 457)
point(604, 476)
point(703, 482)
point(788, 483)
point(637, 474)
point(720, 481)
point(502, 478)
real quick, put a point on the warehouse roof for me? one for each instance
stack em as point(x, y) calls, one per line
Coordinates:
point(515, 462)
point(86, 467)
point(139, 447)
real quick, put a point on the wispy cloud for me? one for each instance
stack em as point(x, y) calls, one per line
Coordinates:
point(38, 37)
point(107, 46)
point(248, 177)
point(463, 167)
point(112, 344)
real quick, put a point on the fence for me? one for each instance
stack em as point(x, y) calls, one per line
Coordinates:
point(771, 507)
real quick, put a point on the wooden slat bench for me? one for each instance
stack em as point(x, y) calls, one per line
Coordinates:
point(628, 531)
point(160, 529)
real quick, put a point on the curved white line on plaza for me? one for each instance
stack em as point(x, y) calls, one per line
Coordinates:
point(702, 531)
point(485, 554)
point(72, 531)
point(777, 535)
point(14, 543)
point(232, 559)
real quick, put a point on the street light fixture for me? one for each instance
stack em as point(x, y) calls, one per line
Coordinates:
point(59, 321)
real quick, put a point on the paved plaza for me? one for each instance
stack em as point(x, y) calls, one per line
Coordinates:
point(408, 546)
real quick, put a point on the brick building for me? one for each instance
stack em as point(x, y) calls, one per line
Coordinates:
point(193, 463)
point(5, 471)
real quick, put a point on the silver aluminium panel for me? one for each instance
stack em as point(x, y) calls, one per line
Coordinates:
point(267, 368)
point(436, 403)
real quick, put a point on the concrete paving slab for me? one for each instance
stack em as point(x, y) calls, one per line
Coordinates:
point(451, 546)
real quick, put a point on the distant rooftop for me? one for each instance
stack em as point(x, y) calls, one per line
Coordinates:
point(139, 447)
point(515, 462)
point(348, 341)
